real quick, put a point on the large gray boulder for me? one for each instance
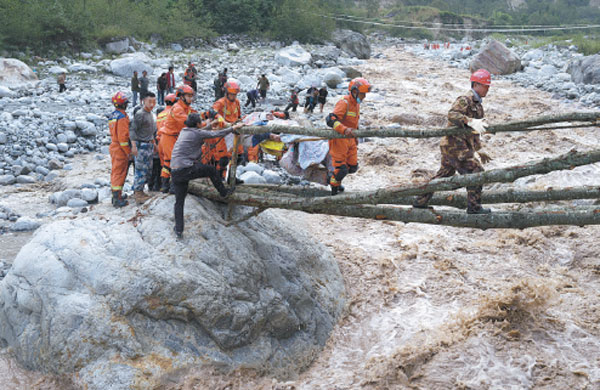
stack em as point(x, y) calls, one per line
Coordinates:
point(585, 69)
point(118, 301)
point(352, 42)
point(14, 73)
point(294, 55)
point(118, 46)
point(496, 59)
point(125, 65)
point(328, 53)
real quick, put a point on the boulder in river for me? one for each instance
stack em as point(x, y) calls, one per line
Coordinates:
point(585, 69)
point(497, 59)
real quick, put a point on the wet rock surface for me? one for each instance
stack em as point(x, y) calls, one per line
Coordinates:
point(95, 295)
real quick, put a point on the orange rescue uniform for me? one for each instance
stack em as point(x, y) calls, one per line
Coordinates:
point(170, 131)
point(161, 119)
point(118, 124)
point(343, 151)
point(215, 149)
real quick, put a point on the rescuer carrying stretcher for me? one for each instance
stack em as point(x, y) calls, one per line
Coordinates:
point(343, 119)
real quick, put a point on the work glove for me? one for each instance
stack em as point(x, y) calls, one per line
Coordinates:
point(484, 157)
point(478, 125)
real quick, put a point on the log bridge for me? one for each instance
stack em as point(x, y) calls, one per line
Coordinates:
point(390, 203)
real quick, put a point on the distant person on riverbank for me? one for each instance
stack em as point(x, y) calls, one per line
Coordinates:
point(161, 88)
point(345, 118)
point(190, 75)
point(118, 125)
point(141, 133)
point(219, 84)
point(144, 85)
point(312, 95)
point(135, 87)
point(460, 152)
point(61, 80)
point(322, 97)
point(170, 80)
point(263, 85)
point(293, 101)
point(251, 97)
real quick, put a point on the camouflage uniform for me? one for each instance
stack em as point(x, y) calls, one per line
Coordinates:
point(458, 151)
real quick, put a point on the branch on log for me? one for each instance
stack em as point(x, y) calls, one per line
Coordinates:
point(245, 217)
point(590, 117)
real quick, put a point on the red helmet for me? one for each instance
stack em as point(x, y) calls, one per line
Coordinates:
point(360, 84)
point(170, 99)
point(482, 76)
point(119, 99)
point(232, 86)
point(183, 89)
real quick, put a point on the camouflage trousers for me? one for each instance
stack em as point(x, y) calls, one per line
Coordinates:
point(449, 166)
point(143, 164)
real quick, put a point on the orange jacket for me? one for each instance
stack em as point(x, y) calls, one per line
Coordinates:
point(118, 124)
point(161, 120)
point(228, 110)
point(348, 112)
point(176, 118)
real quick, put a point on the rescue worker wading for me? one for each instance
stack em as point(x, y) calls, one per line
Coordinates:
point(229, 111)
point(171, 128)
point(343, 119)
point(186, 166)
point(118, 125)
point(459, 152)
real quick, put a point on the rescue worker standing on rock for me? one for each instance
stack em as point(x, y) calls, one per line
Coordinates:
point(141, 132)
point(229, 112)
point(343, 119)
point(185, 164)
point(459, 152)
point(118, 125)
point(173, 124)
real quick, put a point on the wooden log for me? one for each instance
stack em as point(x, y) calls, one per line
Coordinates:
point(593, 118)
point(452, 199)
point(496, 220)
point(390, 195)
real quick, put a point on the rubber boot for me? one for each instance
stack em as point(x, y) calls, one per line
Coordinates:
point(164, 184)
point(117, 200)
point(140, 197)
point(479, 210)
point(334, 190)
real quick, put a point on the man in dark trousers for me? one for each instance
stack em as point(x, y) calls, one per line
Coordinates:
point(251, 97)
point(135, 87)
point(263, 85)
point(185, 161)
point(459, 152)
point(144, 85)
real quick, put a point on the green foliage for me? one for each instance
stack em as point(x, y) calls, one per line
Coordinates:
point(293, 20)
point(588, 45)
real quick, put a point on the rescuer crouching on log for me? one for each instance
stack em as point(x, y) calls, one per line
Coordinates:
point(459, 152)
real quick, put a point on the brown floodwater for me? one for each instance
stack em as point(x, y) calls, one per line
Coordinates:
point(433, 307)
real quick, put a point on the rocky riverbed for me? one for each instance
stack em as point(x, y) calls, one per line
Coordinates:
point(427, 306)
